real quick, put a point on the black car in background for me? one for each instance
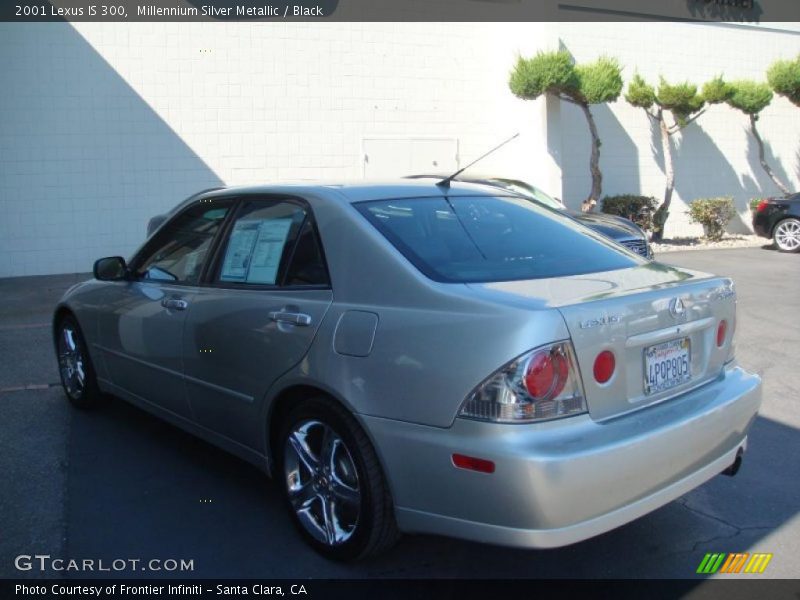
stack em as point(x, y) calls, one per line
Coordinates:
point(779, 219)
point(619, 229)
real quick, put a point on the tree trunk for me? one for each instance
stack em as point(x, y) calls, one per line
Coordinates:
point(669, 171)
point(594, 163)
point(763, 160)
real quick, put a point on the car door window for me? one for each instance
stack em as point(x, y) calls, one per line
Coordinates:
point(179, 251)
point(260, 243)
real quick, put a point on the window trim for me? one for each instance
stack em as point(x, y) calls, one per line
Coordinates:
point(210, 275)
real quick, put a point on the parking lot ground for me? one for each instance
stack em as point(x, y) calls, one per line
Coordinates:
point(118, 483)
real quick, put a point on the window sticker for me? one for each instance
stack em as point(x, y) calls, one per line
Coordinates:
point(266, 259)
point(240, 249)
point(254, 250)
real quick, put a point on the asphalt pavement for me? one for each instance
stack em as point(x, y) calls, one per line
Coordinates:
point(116, 483)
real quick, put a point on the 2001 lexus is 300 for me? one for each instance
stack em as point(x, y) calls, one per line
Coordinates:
point(420, 357)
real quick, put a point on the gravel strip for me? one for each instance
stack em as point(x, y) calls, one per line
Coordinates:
point(699, 243)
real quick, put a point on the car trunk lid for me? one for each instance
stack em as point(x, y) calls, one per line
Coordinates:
point(646, 316)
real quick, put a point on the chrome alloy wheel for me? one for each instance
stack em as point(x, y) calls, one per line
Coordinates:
point(322, 482)
point(71, 363)
point(787, 235)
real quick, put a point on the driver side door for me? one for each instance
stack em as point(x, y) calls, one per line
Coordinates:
point(141, 330)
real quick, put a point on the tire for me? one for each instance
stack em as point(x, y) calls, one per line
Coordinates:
point(332, 482)
point(75, 367)
point(786, 235)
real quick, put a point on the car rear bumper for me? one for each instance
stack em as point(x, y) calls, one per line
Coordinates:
point(761, 226)
point(563, 481)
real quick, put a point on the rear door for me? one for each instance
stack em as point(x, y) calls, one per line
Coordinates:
point(266, 296)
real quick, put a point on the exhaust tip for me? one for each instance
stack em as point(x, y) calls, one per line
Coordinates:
point(737, 464)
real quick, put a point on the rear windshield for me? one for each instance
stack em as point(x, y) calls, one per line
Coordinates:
point(492, 238)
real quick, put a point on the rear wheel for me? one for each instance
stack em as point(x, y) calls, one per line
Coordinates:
point(787, 235)
point(74, 365)
point(334, 487)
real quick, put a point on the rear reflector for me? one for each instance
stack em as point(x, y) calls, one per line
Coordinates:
point(604, 366)
point(722, 330)
point(473, 464)
point(762, 206)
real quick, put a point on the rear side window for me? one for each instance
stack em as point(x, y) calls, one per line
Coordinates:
point(488, 238)
point(257, 247)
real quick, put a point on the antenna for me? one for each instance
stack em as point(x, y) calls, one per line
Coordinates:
point(445, 183)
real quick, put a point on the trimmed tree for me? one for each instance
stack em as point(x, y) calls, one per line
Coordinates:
point(555, 73)
point(784, 78)
point(682, 104)
point(751, 98)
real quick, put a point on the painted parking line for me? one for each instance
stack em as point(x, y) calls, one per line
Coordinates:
point(28, 387)
point(24, 326)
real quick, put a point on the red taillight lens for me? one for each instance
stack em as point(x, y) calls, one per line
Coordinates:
point(604, 366)
point(722, 331)
point(473, 464)
point(546, 374)
point(762, 206)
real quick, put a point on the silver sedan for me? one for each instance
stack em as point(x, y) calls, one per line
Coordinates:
point(416, 357)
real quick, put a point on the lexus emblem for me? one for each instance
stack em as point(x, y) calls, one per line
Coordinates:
point(676, 308)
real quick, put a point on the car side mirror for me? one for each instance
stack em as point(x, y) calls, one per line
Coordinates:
point(111, 268)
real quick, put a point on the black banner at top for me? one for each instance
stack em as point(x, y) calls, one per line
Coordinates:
point(739, 11)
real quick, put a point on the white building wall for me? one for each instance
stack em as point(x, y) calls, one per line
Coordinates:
point(715, 156)
point(105, 125)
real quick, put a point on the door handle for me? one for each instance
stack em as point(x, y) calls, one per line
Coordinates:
point(174, 303)
point(293, 318)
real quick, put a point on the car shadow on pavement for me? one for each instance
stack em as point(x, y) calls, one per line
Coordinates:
point(138, 487)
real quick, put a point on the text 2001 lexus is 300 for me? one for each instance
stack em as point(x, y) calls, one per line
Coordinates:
point(418, 357)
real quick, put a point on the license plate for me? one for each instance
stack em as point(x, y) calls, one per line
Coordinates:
point(667, 365)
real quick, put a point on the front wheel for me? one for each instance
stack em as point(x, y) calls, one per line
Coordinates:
point(334, 486)
point(74, 365)
point(787, 235)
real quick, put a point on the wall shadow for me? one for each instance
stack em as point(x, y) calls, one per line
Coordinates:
point(619, 159)
point(763, 181)
point(703, 171)
point(85, 161)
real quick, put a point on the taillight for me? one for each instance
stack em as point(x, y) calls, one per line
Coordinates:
point(722, 331)
point(604, 366)
point(546, 374)
point(762, 206)
point(541, 384)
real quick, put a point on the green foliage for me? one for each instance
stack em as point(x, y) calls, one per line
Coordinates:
point(750, 97)
point(754, 202)
point(555, 73)
point(784, 77)
point(640, 93)
point(639, 209)
point(600, 81)
point(717, 91)
point(681, 99)
point(545, 73)
point(713, 214)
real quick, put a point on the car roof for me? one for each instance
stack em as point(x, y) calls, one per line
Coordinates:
point(358, 191)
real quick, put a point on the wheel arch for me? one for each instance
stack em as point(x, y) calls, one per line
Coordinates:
point(287, 398)
point(62, 311)
point(784, 217)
